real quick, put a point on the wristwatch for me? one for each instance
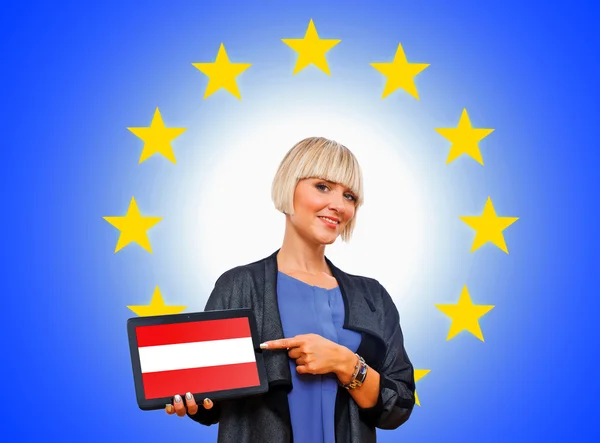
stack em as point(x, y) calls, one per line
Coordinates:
point(359, 375)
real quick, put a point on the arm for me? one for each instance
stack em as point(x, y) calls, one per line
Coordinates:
point(365, 395)
point(386, 398)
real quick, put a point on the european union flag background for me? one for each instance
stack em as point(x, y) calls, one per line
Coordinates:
point(76, 76)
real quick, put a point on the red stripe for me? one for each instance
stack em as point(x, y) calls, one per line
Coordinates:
point(190, 332)
point(200, 380)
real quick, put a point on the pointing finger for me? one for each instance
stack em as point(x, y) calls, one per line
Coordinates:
point(283, 343)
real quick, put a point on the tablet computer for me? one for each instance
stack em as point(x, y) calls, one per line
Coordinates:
point(214, 354)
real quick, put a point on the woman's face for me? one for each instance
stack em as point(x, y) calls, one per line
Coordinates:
point(322, 209)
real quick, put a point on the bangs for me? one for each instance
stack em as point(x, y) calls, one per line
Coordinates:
point(335, 164)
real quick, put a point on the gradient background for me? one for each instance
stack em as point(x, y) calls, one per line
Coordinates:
point(75, 77)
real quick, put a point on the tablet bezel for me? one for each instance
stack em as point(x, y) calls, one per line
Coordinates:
point(159, 403)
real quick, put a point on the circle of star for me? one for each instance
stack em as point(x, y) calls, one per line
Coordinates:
point(400, 74)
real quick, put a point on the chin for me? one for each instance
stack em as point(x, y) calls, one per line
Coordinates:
point(326, 240)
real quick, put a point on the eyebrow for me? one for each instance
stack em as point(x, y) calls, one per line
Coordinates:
point(334, 183)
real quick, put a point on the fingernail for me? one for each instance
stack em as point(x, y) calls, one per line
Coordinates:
point(206, 401)
point(188, 396)
point(168, 407)
point(177, 398)
point(264, 346)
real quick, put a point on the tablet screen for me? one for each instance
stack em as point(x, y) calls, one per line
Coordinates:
point(196, 356)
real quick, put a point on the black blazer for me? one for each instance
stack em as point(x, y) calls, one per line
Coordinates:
point(369, 309)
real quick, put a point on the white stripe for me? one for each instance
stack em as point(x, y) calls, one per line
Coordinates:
point(196, 355)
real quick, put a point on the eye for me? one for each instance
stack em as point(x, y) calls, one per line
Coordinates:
point(322, 186)
point(350, 197)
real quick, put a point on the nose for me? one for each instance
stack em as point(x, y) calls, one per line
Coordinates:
point(337, 203)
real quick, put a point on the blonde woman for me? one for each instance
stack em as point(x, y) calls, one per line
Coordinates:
point(333, 346)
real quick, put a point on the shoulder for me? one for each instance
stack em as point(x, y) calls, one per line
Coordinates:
point(235, 287)
point(247, 271)
point(370, 287)
point(360, 279)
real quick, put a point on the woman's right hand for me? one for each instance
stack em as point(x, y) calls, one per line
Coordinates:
point(179, 408)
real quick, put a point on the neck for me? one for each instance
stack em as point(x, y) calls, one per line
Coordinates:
point(298, 255)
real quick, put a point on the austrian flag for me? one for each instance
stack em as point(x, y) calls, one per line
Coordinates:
point(194, 356)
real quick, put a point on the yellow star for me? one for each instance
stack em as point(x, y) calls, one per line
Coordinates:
point(311, 49)
point(465, 315)
point(489, 227)
point(419, 374)
point(133, 227)
point(464, 138)
point(157, 138)
point(156, 307)
point(222, 73)
point(400, 74)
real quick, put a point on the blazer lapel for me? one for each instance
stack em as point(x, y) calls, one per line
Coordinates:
point(276, 362)
point(361, 316)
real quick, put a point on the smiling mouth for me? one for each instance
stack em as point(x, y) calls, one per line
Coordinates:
point(330, 220)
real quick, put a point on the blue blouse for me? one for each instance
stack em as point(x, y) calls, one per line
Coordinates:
point(306, 309)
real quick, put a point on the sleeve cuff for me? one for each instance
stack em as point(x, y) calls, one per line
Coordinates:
point(206, 416)
point(372, 414)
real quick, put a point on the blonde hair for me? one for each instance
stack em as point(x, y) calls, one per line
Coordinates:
point(317, 157)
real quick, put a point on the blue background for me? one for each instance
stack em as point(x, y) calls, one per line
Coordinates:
point(75, 77)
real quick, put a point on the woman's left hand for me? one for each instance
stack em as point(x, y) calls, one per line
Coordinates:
point(313, 353)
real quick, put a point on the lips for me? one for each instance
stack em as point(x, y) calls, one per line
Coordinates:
point(331, 220)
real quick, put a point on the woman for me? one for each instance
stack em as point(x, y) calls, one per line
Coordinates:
point(333, 346)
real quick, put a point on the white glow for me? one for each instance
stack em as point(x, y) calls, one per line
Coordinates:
point(236, 222)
